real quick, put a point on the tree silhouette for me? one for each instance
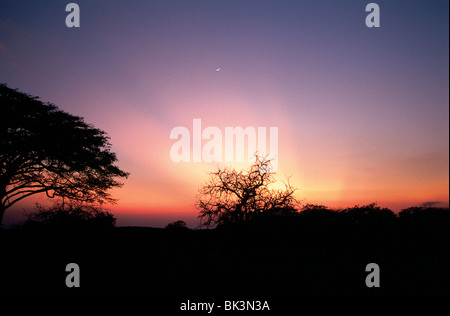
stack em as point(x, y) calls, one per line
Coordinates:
point(232, 196)
point(178, 225)
point(46, 150)
point(370, 213)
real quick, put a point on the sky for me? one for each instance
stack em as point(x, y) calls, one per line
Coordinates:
point(362, 113)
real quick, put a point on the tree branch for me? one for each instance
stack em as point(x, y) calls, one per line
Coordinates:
point(9, 204)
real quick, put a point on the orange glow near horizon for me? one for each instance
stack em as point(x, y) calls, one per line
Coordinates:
point(339, 173)
point(324, 173)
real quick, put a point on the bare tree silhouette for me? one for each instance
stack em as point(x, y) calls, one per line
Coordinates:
point(231, 196)
point(46, 150)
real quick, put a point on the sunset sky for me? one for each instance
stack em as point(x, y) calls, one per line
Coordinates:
point(362, 113)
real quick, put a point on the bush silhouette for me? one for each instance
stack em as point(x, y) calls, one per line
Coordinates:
point(369, 214)
point(424, 214)
point(70, 215)
point(316, 210)
point(178, 225)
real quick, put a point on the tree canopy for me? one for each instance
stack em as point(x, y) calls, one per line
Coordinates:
point(46, 150)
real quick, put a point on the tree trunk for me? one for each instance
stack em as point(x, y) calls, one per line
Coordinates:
point(2, 211)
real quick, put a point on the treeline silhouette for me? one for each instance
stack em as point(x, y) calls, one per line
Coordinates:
point(316, 250)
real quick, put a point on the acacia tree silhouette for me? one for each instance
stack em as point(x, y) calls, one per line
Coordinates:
point(46, 150)
point(231, 196)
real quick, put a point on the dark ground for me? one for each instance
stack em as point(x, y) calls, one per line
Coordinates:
point(314, 254)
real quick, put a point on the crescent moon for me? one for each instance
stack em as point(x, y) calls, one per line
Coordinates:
point(217, 69)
